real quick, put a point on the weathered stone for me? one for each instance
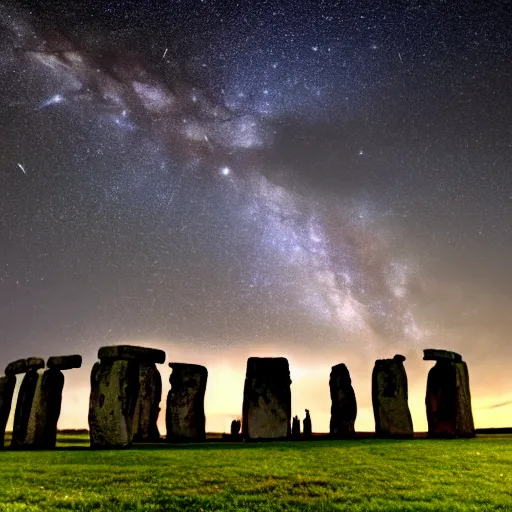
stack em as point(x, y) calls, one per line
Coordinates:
point(114, 394)
point(389, 396)
point(306, 425)
point(148, 404)
point(24, 365)
point(448, 400)
point(45, 412)
point(267, 399)
point(7, 385)
point(436, 354)
point(24, 408)
point(64, 362)
point(185, 419)
point(127, 352)
point(343, 403)
point(295, 427)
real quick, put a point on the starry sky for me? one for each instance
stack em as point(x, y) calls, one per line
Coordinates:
point(326, 181)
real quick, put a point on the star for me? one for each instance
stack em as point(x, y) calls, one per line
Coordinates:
point(161, 177)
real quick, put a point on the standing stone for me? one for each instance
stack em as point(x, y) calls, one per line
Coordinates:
point(45, 412)
point(235, 427)
point(307, 427)
point(389, 396)
point(148, 404)
point(234, 434)
point(448, 399)
point(267, 399)
point(296, 427)
point(114, 393)
point(185, 419)
point(24, 406)
point(7, 385)
point(46, 406)
point(343, 403)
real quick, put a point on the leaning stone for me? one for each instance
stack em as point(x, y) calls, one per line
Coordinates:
point(148, 404)
point(448, 400)
point(390, 398)
point(44, 416)
point(127, 352)
point(24, 408)
point(435, 354)
point(7, 385)
point(185, 419)
point(267, 399)
point(114, 393)
point(64, 362)
point(343, 403)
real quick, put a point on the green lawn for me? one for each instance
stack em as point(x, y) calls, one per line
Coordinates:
point(358, 475)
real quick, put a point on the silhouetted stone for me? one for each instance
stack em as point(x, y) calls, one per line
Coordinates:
point(24, 408)
point(34, 363)
point(7, 385)
point(389, 396)
point(448, 400)
point(234, 434)
point(296, 427)
point(267, 399)
point(16, 367)
point(307, 427)
point(148, 404)
point(436, 354)
point(24, 365)
point(114, 394)
point(64, 362)
point(235, 427)
point(128, 352)
point(343, 403)
point(45, 412)
point(185, 419)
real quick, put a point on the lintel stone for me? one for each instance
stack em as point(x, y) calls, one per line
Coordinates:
point(130, 352)
point(436, 354)
point(35, 363)
point(24, 365)
point(64, 362)
point(16, 367)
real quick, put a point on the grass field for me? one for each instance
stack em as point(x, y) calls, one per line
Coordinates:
point(357, 475)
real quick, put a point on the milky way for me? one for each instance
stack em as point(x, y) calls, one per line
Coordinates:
point(224, 177)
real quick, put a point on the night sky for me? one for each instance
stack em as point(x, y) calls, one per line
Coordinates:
point(325, 181)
